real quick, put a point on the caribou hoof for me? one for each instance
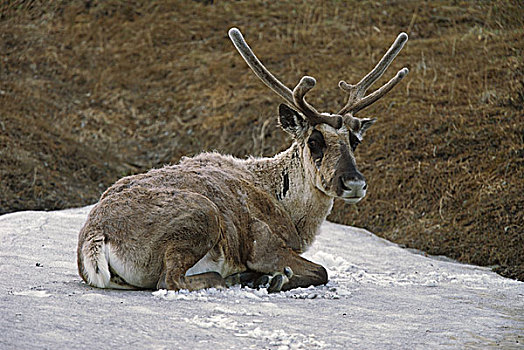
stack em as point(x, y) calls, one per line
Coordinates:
point(279, 280)
point(263, 281)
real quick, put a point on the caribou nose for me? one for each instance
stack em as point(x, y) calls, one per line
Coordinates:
point(353, 185)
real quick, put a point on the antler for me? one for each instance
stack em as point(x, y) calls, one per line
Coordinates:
point(296, 97)
point(357, 99)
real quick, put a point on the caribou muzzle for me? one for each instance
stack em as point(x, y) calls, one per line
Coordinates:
point(352, 186)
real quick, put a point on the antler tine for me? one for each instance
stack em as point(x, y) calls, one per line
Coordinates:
point(383, 64)
point(357, 92)
point(299, 92)
point(257, 66)
point(314, 118)
point(374, 96)
point(295, 97)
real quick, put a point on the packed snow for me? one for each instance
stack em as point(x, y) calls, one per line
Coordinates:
point(379, 296)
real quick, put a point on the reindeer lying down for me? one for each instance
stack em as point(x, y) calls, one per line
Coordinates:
point(215, 220)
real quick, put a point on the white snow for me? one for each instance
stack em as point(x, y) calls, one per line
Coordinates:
point(378, 296)
point(33, 293)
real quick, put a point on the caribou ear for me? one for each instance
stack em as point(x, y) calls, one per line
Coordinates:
point(365, 123)
point(359, 126)
point(291, 121)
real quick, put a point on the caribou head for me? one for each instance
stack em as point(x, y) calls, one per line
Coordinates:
point(327, 141)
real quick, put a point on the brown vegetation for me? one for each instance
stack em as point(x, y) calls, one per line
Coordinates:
point(94, 90)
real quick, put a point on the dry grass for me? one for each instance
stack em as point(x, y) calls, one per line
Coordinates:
point(92, 90)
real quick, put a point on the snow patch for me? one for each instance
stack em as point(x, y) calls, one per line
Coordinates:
point(236, 293)
point(63, 264)
point(284, 340)
point(387, 297)
point(275, 337)
point(33, 293)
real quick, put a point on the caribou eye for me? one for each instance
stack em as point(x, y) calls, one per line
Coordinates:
point(316, 145)
point(313, 144)
point(354, 141)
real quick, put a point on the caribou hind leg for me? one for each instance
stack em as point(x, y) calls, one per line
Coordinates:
point(176, 262)
point(150, 241)
point(200, 233)
point(173, 281)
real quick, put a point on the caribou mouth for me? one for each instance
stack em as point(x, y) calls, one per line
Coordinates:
point(352, 200)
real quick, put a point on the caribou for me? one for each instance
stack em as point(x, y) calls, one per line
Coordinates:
point(213, 220)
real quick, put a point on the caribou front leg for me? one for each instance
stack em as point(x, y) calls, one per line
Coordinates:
point(286, 270)
point(253, 279)
point(283, 266)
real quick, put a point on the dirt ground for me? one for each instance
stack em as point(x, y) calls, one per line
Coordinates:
point(91, 91)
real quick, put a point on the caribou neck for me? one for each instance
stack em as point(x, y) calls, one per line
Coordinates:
point(284, 177)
